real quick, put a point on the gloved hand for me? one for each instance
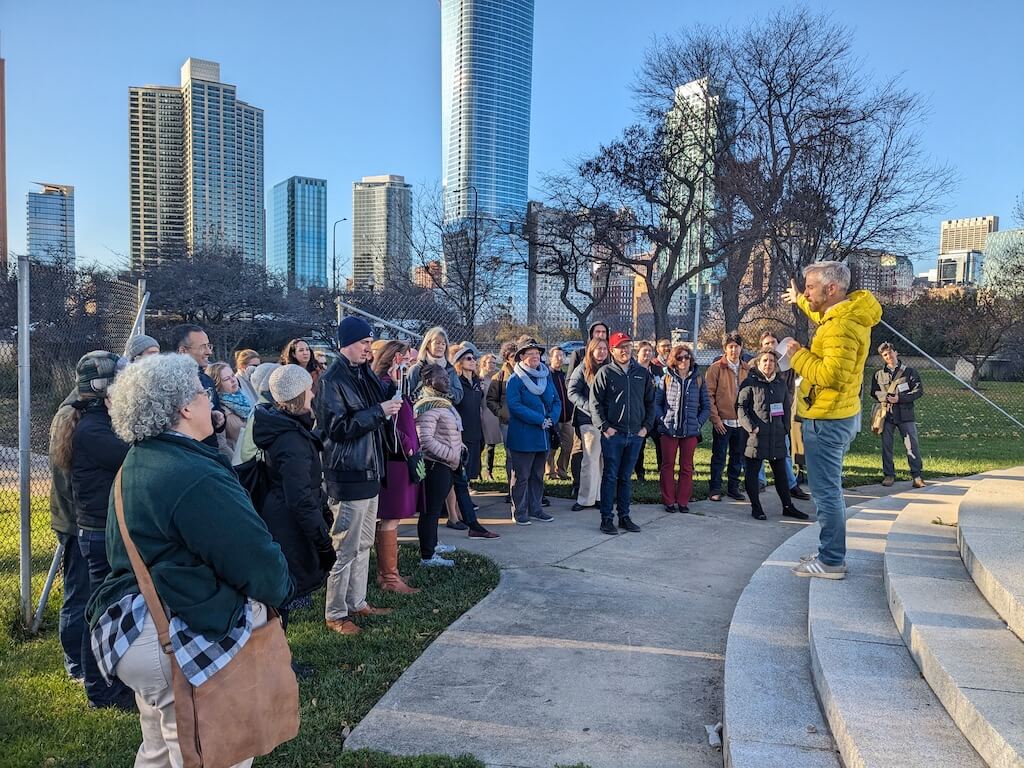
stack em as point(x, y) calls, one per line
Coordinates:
point(328, 557)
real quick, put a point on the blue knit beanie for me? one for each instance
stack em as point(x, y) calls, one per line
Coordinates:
point(353, 329)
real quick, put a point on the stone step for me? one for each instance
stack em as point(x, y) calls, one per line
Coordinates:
point(991, 541)
point(881, 712)
point(973, 663)
point(772, 717)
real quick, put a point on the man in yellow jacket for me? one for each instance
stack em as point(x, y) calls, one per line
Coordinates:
point(829, 398)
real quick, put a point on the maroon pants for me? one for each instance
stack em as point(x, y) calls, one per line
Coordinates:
point(675, 491)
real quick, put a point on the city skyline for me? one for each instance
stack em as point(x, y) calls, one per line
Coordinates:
point(306, 99)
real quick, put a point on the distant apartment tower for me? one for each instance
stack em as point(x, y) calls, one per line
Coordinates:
point(960, 268)
point(299, 252)
point(195, 167)
point(545, 308)
point(966, 234)
point(381, 227)
point(51, 224)
point(429, 275)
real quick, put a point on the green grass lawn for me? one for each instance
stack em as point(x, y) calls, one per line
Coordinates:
point(959, 435)
point(44, 718)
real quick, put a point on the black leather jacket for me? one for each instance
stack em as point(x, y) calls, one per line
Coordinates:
point(350, 418)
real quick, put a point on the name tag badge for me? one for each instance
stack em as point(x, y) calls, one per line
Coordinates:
point(902, 387)
point(777, 410)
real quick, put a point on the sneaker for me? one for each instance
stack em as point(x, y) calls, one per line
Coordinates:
point(437, 562)
point(736, 495)
point(578, 507)
point(671, 508)
point(458, 525)
point(818, 570)
point(797, 492)
point(628, 525)
point(443, 549)
point(888, 481)
point(544, 517)
point(525, 520)
point(808, 557)
point(607, 526)
point(758, 514)
point(545, 501)
point(918, 482)
point(483, 534)
point(795, 513)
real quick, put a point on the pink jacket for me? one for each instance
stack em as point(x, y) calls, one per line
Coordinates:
point(440, 432)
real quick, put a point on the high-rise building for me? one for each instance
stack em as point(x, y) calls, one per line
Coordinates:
point(486, 83)
point(51, 224)
point(299, 252)
point(1004, 254)
point(966, 234)
point(196, 167)
point(548, 253)
point(960, 268)
point(3, 174)
point(381, 228)
point(888, 276)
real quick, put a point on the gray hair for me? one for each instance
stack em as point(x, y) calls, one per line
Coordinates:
point(831, 272)
point(146, 397)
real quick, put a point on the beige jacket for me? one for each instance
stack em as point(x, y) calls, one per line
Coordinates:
point(440, 432)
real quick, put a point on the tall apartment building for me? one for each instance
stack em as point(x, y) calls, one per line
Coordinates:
point(545, 307)
point(51, 224)
point(299, 251)
point(888, 276)
point(381, 227)
point(966, 234)
point(1003, 251)
point(195, 167)
point(486, 84)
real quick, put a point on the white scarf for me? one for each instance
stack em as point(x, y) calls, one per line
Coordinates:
point(534, 380)
point(429, 358)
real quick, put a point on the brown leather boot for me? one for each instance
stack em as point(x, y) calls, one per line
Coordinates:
point(388, 577)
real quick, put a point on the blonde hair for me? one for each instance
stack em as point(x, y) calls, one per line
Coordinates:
point(243, 356)
point(436, 332)
point(216, 372)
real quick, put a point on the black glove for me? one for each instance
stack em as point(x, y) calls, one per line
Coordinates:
point(328, 557)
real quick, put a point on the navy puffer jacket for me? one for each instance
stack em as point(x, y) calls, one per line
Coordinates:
point(683, 405)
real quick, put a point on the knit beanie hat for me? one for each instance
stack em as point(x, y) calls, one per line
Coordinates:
point(353, 329)
point(140, 344)
point(288, 382)
point(95, 372)
point(258, 378)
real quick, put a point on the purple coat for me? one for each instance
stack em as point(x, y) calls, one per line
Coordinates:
point(399, 496)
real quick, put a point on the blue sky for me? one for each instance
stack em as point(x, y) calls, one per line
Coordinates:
point(352, 88)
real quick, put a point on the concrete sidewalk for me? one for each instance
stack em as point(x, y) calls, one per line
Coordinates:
point(605, 650)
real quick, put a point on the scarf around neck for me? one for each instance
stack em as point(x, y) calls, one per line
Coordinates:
point(536, 381)
point(430, 398)
point(442, 361)
point(237, 403)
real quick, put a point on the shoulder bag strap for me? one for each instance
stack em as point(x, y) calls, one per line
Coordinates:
point(156, 609)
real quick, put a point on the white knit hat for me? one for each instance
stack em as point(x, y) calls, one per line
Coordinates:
point(288, 382)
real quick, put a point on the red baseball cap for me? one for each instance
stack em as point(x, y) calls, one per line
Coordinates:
point(618, 338)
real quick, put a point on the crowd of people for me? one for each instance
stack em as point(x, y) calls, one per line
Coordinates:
point(304, 468)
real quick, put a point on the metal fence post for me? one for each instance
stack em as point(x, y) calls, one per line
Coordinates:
point(140, 303)
point(24, 444)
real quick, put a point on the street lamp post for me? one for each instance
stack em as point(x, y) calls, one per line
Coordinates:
point(334, 252)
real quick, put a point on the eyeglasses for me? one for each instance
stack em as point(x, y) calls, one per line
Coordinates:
point(208, 347)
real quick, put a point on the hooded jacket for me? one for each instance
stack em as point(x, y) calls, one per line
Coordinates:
point(682, 405)
point(439, 429)
point(753, 409)
point(832, 368)
point(293, 508)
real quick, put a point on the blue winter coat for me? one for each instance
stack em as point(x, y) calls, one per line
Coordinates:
point(682, 406)
point(526, 414)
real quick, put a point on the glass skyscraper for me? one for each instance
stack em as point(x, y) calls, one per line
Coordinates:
point(196, 167)
point(299, 252)
point(51, 224)
point(486, 81)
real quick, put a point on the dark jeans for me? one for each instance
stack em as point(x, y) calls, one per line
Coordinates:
point(490, 460)
point(733, 442)
point(436, 486)
point(908, 431)
point(93, 545)
point(576, 461)
point(619, 453)
point(464, 500)
point(71, 627)
point(750, 478)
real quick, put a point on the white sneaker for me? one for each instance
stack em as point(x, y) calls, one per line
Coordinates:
point(444, 549)
point(437, 562)
point(818, 570)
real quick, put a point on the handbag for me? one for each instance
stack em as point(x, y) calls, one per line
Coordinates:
point(880, 411)
point(247, 708)
point(253, 476)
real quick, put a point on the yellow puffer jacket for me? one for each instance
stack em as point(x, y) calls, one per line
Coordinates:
point(833, 367)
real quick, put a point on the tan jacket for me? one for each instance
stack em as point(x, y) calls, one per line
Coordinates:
point(722, 387)
point(440, 432)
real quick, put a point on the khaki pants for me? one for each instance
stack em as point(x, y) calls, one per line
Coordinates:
point(146, 669)
point(566, 435)
point(352, 534)
point(592, 466)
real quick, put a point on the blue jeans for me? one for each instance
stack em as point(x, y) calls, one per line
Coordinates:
point(93, 545)
point(71, 626)
point(619, 453)
point(826, 442)
point(790, 477)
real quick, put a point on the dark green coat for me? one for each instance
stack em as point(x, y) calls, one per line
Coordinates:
point(197, 532)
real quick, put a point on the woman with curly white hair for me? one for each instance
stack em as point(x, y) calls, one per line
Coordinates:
point(181, 503)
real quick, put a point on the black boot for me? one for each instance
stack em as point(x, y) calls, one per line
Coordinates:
point(607, 526)
point(628, 525)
